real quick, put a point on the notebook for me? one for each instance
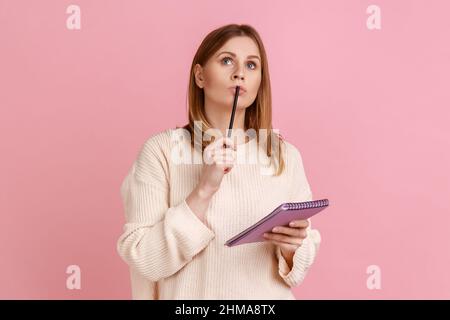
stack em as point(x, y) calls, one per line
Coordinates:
point(280, 216)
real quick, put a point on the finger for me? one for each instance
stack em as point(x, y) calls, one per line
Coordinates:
point(213, 144)
point(286, 246)
point(225, 166)
point(208, 156)
point(283, 238)
point(228, 154)
point(294, 232)
point(299, 223)
point(220, 142)
point(226, 163)
point(226, 143)
point(220, 155)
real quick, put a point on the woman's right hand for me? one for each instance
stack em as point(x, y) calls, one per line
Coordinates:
point(219, 160)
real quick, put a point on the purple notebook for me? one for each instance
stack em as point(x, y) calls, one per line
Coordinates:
point(281, 216)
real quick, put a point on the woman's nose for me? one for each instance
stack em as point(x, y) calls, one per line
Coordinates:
point(239, 72)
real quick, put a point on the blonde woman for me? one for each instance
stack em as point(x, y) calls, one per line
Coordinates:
point(181, 211)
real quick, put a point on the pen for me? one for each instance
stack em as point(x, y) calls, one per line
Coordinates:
point(236, 95)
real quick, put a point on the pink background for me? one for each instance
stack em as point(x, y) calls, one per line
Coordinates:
point(368, 109)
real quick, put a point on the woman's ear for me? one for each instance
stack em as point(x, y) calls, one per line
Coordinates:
point(198, 74)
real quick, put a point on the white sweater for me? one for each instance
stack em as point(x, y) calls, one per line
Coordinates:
point(173, 255)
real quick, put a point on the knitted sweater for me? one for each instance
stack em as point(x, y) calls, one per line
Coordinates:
point(174, 255)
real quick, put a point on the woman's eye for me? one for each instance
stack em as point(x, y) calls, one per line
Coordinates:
point(227, 58)
point(224, 59)
point(254, 65)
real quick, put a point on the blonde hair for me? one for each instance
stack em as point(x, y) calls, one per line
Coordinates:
point(258, 115)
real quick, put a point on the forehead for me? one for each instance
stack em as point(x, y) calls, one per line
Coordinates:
point(243, 46)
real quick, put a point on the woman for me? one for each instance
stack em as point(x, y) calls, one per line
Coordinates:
point(180, 212)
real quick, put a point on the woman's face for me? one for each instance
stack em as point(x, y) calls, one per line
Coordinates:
point(237, 62)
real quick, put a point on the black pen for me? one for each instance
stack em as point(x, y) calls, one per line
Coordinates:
point(236, 95)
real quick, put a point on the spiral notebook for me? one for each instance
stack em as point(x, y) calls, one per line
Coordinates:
point(280, 216)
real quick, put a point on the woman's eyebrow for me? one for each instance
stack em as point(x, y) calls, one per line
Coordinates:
point(234, 55)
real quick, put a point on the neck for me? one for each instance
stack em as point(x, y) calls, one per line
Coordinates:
point(220, 119)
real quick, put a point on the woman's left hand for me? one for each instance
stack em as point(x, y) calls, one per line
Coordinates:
point(288, 238)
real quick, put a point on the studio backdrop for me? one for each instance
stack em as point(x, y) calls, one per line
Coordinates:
point(361, 88)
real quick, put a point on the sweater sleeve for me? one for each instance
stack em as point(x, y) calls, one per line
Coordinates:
point(157, 240)
point(305, 254)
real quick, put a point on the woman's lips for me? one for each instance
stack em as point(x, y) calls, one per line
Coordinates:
point(233, 91)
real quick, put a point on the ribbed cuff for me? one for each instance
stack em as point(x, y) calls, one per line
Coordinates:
point(302, 260)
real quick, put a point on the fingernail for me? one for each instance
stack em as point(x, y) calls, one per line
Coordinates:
point(292, 224)
point(275, 229)
point(266, 235)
